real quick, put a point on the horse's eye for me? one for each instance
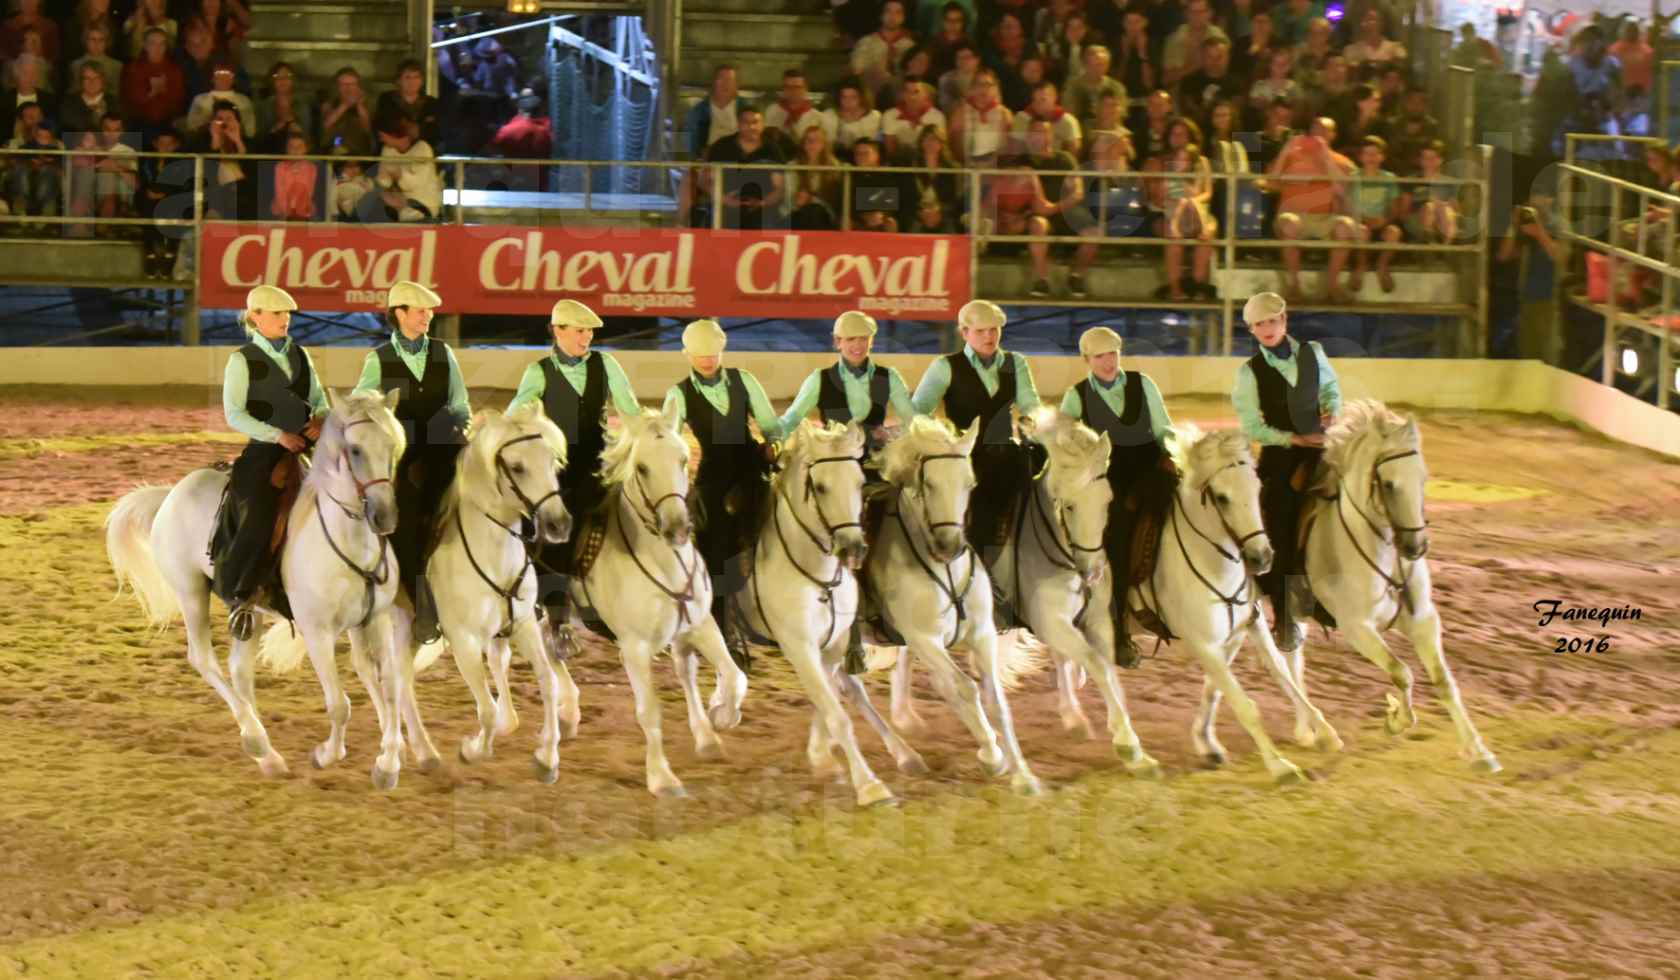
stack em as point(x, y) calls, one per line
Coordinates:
point(820, 487)
point(356, 451)
point(1221, 499)
point(1388, 484)
point(518, 468)
point(642, 469)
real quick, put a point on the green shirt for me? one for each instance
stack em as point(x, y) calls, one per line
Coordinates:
point(718, 394)
point(857, 395)
point(931, 391)
point(1246, 398)
point(533, 384)
point(236, 383)
point(1374, 194)
point(1115, 396)
point(416, 364)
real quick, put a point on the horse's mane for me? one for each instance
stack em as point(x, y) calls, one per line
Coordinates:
point(354, 407)
point(1198, 453)
point(1365, 429)
point(1074, 447)
point(924, 436)
point(615, 458)
point(489, 428)
point(811, 440)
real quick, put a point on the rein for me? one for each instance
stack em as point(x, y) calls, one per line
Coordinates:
point(374, 577)
point(1063, 557)
point(1399, 583)
point(503, 472)
point(1237, 597)
point(507, 595)
point(682, 598)
point(949, 586)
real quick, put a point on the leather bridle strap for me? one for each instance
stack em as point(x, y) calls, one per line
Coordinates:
point(503, 472)
point(810, 492)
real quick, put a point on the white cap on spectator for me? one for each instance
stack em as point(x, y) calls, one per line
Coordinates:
point(1098, 340)
point(981, 314)
point(1263, 306)
point(704, 338)
point(409, 293)
point(272, 299)
point(854, 323)
point(571, 313)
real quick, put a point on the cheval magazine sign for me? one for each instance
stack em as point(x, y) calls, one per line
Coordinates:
point(624, 272)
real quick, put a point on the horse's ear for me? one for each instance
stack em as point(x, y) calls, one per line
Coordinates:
point(485, 416)
point(1104, 449)
point(1411, 427)
point(391, 398)
point(970, 436)
point(525, 413)
point(335, 401)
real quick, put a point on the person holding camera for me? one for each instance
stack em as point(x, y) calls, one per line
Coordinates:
point(1539, 251)
point(229, 191)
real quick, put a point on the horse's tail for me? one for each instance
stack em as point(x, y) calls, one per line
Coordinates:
point(1019, 654)
point(428, 654)
point(282, 648)
point(128, 543)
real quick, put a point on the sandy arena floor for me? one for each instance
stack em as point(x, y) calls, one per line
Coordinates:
point(141, 842)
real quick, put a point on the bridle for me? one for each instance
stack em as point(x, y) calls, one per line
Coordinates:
point(505, 472)
point(1063, 557)
point(650, 523)
point(1239, 540)
point(1398, 582)
point(949, 585)
point(1377, 492)
point(810, 492)
point(921, 490)
point(1244, 593)
point(362, 486)
point(374, 577)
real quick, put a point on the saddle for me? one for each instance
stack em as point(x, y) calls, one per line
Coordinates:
point(590, 536)
point(287, 477)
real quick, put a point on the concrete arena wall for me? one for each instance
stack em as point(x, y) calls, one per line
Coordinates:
point(1508, 386)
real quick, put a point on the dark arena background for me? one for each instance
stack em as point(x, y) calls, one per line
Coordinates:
point(572, 150)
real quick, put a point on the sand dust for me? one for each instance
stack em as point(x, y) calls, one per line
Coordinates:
point(142, 842)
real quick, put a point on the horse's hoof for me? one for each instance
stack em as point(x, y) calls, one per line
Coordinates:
point(1144, 767)
point(876, 793)
point(1214, 758)
point(471, 757)
point(546, 774)
point(1486, 764)
point(1027, 785)
point(318, 756)
point(675, 791)
point(909, 725)
point(995, 766)
point(507, 725)
point(709, 752)
point(255, 746)
point(1078, 727)
point(1289, 774)
point(273, 766)
point(429, 765)
point(1328, 741)
point(383, 780)
point(724, 717)
point(1305, 738)
point(913, 765)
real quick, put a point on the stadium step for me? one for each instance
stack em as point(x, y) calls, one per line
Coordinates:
point(316, 60)
point(756, 8)
point(797, 34)
point(329, 21)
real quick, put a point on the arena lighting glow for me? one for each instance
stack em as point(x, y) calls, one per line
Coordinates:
point(1630, 361)
point(523, 6)
point(1677, 379)
point(1335, 12)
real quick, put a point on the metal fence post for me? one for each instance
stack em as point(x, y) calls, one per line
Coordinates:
point(1227, 331)
point(191, 328)
point(1480, 337)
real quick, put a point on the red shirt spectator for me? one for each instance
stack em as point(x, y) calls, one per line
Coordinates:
point(525, 136)
point(295, 183)
point(29, 16)
point(153, 88)
point(1636, 56)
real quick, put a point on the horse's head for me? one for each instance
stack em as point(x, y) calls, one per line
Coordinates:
point(1219, 476)
point(648, 457)
point(518, 456)
point(1077, 481)
point(931, 464)
point(359, 447)
point(1398, 478)
point(823, 482)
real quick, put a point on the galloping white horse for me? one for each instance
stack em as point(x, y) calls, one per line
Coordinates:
point(1365, 559)
point(337, 568)
point(1203, 591)
point(935, 590)
point(486, 588)
point(651, 588)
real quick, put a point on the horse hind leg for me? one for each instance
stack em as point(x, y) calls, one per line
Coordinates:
point(1216, 665)
point(908, 760)
point(1204, 736)
point(963, 695)
point(1425, 631)
point(426, 756)
point(808, 663)
point(1074, 721)
point(685, 663)
point(527, 637)
point(1311, 728)
point(384, 685)
point(905, 717)
point(323, 657)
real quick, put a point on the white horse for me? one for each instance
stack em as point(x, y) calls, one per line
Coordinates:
point(336, 565)
point(935, 591)
point(1203, 590)
point(650, 586)
point(486, 588)
point(803, 593)
point(1365, 560)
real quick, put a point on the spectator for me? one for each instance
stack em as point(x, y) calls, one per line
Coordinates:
point(1275, 133)
point(154, 89)
point(1062, 33)
point(1277, 84)
point(955, 84)
point(982, 124)
point(1009, 54)
point(166, 193)
point(282, 111)
point(1434, 218)
point(1061, 203)
point(147, 17)
point(876, 55)
point(902, 124)
point(1636, 57)
point(1183, 195)
point(26, 89)
point(1199, 91)
point(221, 90)
point(1136, 65)
point(1366, 121)
point(1477, 53)
point(1379, 206)
point(296, 183)
point(1373, 47)
point(197, 58)
point(1594, 70)
point(816, 193)
point(1330, 93)
point(1251, 57)
point(90, 15)
point(1313, 57)
point(229, 191)
point(1150, 129)
point(227, 22)
point(1539, 246)
point(1237, 18)
point(1182, 54)
point(748, 194)
point(855, 118)
point(940, 187)
point(787, 119)
point(1411, 130)
point(1391, 85)
point(1165, 17)
point(1313, 209)
point(84, 109)
point(96, 45)
point(1109, 122)
point(351, 185)
point(1114, 202)
point(116, 176)
point(915, 66)
point(35, 184)
point(1085, 91)
point(33, 51)
point(1049, 28)
point(1065, 131)
point(931, 17)
point(495, 72)
point(713, 117)
point(409, 187)
point(954, 33)
point(529, 135)
point(877, 197)
point(408, 101)
point(345, 119)
point(1291, 19)
point(29, 18)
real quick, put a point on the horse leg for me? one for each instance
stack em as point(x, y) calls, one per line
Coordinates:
point(240, 695)
point(1425, 631)
point(1074, 721)
point(686, 665)
point(1364, 637)
point(470, 662)
point(324, 658)
point(819, 751)
point(1076, 654)
point(961, 693)
point(903, 706)
point(985, 644)
point(1216, 665)
point(807, 663)
point(1311, 728)
point(364, 643)
point(638, 665)
point(500, 655)
point(527, 637)
point(725, 704)
point(426, 755)
point(909, 761)
point(369, 672)
point(1203, 737)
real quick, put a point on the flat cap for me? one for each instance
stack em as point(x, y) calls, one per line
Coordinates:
point(704, 338)
point(571, 313)
point(1263, 306)
point(854, 323)
point(409, 293)
point(981, 314)
point(272, 299)
point(1098, 340)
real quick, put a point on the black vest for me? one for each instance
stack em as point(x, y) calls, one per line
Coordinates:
point(423, 405)
point(1134, 447)
point(272, 397)
point(1281, 406)
point(578, 416)
point(833, 405)
point(966, 399)
point(724, 440)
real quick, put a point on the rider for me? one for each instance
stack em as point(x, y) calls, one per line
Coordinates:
point(853, 389)
point(733, 482)
point(1285, 398)
point(270, 392)
point(1127, 406)
point(982, 381)
point(574, 384)
point(432, 407)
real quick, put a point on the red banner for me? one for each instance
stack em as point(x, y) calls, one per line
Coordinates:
point(617, 271)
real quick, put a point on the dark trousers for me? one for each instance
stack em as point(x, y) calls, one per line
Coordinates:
point(1135, 496)
point(732, 494)
point(423, 477)
point(582, 493)
point(1002, 474)
point(1280, 509)
point(246, 564)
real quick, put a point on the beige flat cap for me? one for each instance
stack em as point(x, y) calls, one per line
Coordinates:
point(571, 313)
point(1263, 306)
point(1099, 340)
point(408, 293)
point(854, 323)
point(981, 314)
point(704, 338)
point(272, 299)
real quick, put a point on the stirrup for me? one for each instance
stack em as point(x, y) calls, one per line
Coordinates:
point(562, 643)
point(242, 620)
point(1126, 654)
